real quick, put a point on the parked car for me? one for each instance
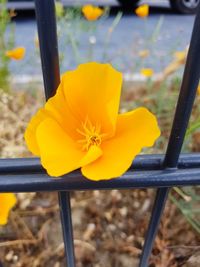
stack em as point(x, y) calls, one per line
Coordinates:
point(181, 6)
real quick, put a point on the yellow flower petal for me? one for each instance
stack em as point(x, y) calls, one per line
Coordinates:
point(93, 153)
point(7, 202)
point(36, 41)
point(59, 9)
point(181, 56)
point(30, 133)
point(142, 11)
point(57, 108)
point(198, 90)
point(59, 153)
point(91, 12)
point(135, 130)
point(147, 72)
point(93, 91)
point(17, 53)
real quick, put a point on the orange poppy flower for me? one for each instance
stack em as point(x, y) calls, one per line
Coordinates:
point(147, 72)
point(17, 53)
point(80, 126)
point(7, 202)
point(142, 11)
point(91, 12)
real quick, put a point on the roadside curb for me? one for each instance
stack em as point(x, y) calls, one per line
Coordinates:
point(128, 77)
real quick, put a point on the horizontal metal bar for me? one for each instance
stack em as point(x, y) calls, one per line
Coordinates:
point(31, 182)
point(142, 162)
point(23, 165)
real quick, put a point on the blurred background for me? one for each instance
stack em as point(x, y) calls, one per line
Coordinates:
point(166, 31)
point(148, 42)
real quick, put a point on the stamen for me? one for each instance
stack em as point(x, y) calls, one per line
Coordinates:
point(81, 132)
point(91, 135)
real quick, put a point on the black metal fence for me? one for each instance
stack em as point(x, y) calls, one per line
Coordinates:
point(157, 171)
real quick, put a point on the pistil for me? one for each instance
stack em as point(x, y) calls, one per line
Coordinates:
point(91, 135)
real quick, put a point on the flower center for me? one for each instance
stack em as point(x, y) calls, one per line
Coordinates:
point(95, 140)
point(90, 135)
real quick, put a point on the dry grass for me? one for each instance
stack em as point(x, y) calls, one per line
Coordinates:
point(109, 227)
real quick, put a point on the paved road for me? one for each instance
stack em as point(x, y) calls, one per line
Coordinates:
point(131, 35)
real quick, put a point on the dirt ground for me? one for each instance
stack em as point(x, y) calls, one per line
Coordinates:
point(109, 226)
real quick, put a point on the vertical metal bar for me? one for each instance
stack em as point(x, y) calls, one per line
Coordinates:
point(46, 23)
point(67, 228)
point(183, 111)
point(64, 201)
point(158, 207)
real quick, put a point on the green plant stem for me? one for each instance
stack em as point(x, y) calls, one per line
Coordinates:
point(182, 194)
point(193, 223)
point(195, 126)
point(109, 34)
point(156, 32)
point(74, 47)
point(5, 44)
